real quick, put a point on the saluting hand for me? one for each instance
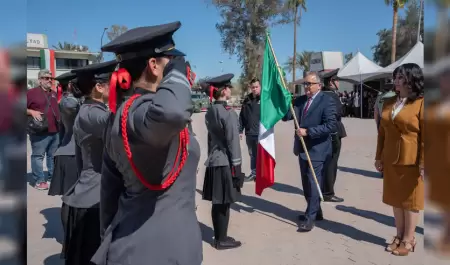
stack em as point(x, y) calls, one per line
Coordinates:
point(177, 63)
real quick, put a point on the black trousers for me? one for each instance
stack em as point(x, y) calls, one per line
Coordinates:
point(357, 112)
point(331, 166)
point(220, 214)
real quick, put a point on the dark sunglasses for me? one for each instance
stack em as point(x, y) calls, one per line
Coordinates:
point(47, 78)
point(308, 84)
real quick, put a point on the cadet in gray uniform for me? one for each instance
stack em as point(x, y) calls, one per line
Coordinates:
point(223, 175)
point(151, 157)
point(65, 173)
point(81, 202)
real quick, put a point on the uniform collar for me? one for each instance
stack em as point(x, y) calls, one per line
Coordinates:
point(94, 102)
point(221, 102)
point(142, 91)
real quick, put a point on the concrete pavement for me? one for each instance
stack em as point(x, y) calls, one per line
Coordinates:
point(354, 231)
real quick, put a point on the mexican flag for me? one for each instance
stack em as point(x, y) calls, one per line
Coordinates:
point(274, 104)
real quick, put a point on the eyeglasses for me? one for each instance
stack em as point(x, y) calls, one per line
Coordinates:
point(308, 84)
point(47, 78)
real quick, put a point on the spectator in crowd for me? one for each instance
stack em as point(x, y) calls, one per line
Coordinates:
point(249, 121)
point(43, 120)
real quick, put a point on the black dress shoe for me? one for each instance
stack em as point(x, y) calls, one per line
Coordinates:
point(250, 178)
point(228, 243)
point(306, 226)
point(333, 199)
point(302, 217)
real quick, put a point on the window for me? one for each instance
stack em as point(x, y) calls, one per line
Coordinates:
point(33, 62)
point(62, 63)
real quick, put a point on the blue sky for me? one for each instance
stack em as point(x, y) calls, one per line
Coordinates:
point(328, 25)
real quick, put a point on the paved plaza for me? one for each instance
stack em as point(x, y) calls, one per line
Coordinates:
point(353, 232)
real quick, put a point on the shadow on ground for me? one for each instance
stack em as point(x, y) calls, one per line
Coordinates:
point(377, 217)
point(350, 231)
point(53, 226)
point(288, 216)
point(54, 260)
point(357, 171)
point(281, 187)
point(207, 233)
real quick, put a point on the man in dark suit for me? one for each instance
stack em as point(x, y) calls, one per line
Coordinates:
point(331, 165)
point(316, 114)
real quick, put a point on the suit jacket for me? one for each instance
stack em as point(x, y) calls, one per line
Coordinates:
point(340, 126)
point(400, 140)
point(320, 122)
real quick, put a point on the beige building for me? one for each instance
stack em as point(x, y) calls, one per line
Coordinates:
point(40, 56)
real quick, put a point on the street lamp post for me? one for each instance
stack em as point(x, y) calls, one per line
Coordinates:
point(221, 62)
point(101, 43)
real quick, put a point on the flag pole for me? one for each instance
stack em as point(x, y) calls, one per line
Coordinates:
point(297, 125)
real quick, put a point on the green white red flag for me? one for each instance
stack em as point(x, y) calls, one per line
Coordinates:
point(274, 104)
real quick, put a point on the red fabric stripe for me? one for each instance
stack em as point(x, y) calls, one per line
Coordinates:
point(52, 66)
point(265, 170)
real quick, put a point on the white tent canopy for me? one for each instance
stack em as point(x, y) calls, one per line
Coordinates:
point(358, 69)
point(415, 55)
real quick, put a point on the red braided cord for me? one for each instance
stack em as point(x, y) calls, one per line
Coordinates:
point(182, 148)
point(59, 92)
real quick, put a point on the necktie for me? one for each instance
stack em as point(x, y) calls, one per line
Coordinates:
point(305, 110)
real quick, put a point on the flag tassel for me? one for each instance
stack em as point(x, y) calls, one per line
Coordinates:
point(297, 125)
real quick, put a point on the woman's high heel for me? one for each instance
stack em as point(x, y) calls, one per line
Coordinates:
point(394, 245)
point(405, 247)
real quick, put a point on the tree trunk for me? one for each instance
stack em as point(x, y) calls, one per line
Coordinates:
point(294, 57)
point(394, 34)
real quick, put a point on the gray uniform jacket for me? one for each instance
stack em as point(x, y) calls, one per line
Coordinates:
point(68, 109)
point(224, 148)
point(88, 131)
point(142, 226)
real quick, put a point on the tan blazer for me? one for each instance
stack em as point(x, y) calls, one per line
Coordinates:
point(400, 140)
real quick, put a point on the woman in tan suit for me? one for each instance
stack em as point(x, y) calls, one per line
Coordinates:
point(400, 155)
point(437, 150)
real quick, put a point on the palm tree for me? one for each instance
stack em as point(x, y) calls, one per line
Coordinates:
point(71, 47)
point(301, 62)
point(396, 5)
point(348, 57)
point(292, 13)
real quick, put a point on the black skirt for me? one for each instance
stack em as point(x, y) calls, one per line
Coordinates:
point(82, 234)
point(65, 174)
point(218, 186)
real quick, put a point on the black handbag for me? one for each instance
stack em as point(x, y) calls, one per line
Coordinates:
point(34, 126)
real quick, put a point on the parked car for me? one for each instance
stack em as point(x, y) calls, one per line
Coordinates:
point(200, 101)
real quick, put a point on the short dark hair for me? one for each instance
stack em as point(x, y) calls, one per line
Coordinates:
point(414, 80)
point(254, 80)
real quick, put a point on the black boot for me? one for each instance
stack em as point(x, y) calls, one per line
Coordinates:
point(228, 243)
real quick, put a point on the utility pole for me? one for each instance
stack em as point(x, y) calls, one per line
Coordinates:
point(101, 44)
